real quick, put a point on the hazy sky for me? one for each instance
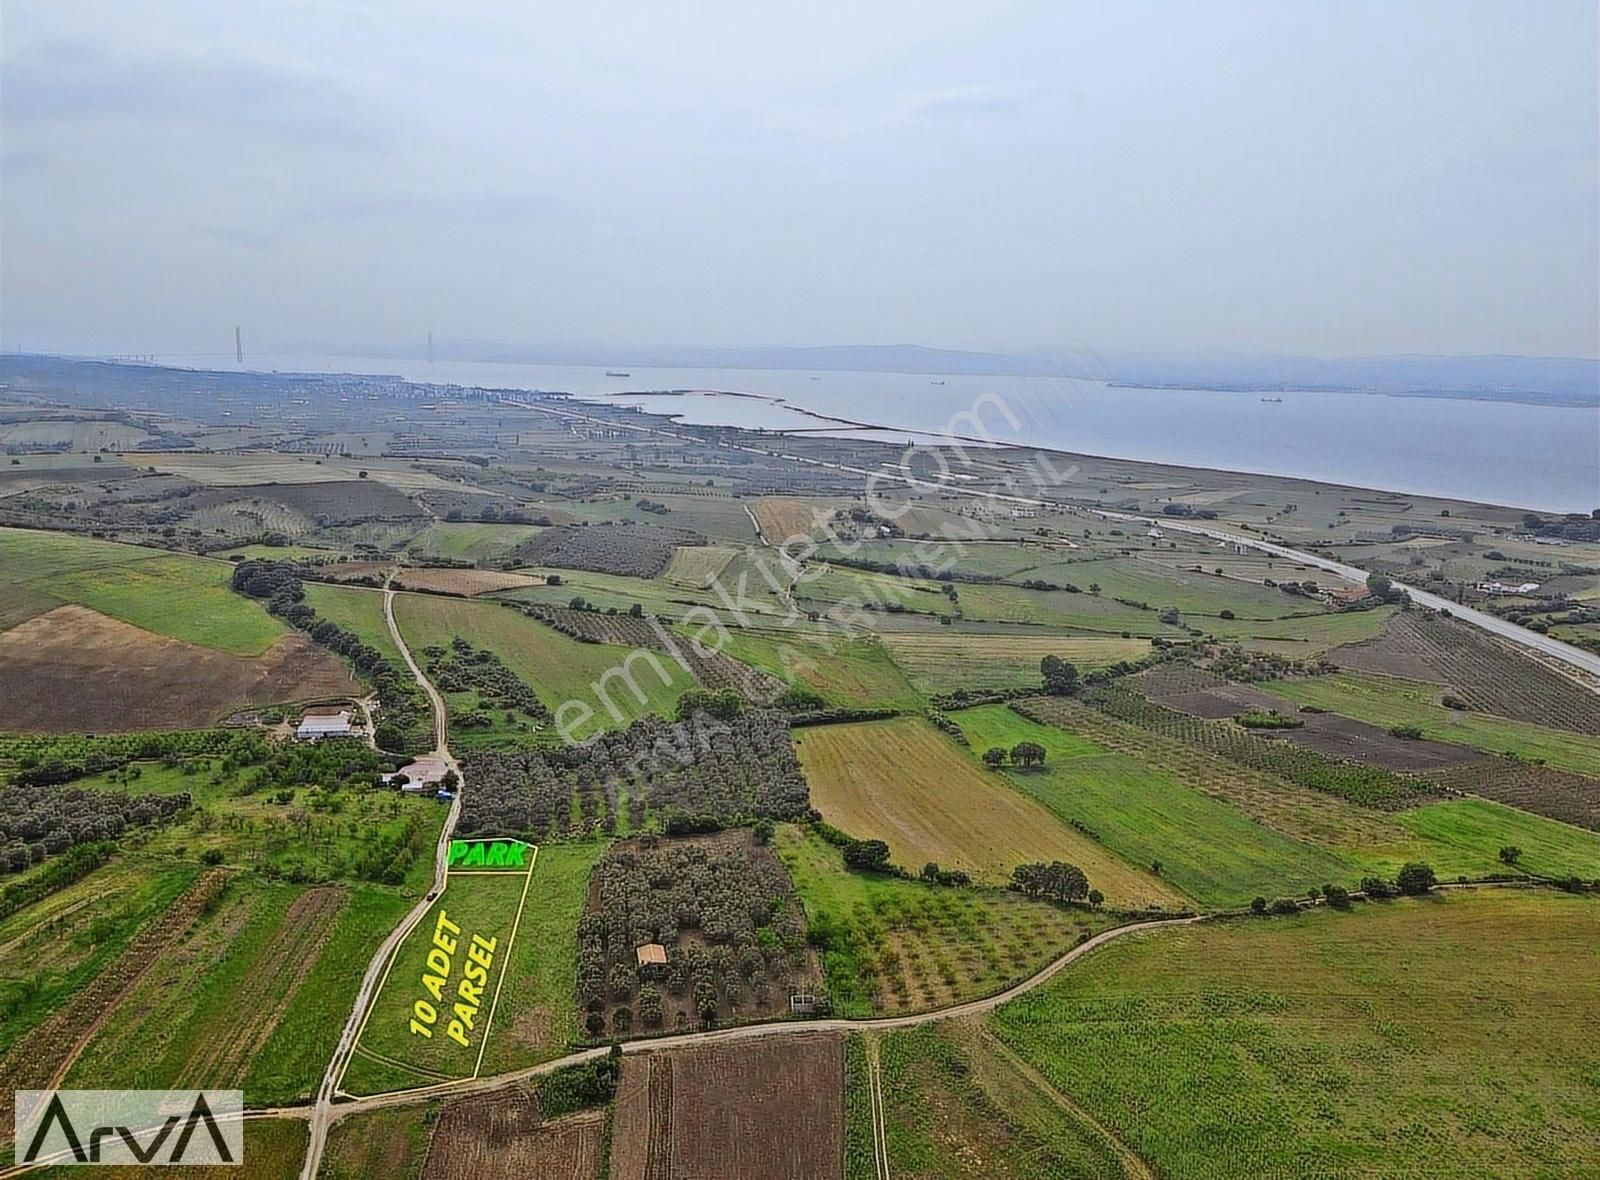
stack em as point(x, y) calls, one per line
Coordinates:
point(1332, 178)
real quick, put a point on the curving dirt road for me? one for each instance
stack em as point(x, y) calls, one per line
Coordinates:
point(320, 1111)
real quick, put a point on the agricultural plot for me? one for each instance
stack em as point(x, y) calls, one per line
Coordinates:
point(634, 550)
point(433, 1013)
point(611, 686)
point(186, 598)
point(358, 610)
point(1084, 613)
point(472, 542)
point(782, 517)
point(1558, 794)
point(1372, 1041)
point(904, 782)
point(274, 1149)
point(730, 770)
point(272, 468)
point(1200, 594)
point(537, 1019)
point(844, 671)
point(891, 945)
point(1484, 674)
point(950, 657)
point(1387, 701)
point(772, 1108)
point(697, 566)
point(723, 912)
point(504, 1134)
point(387, 1141)
point(1206, 848)
point(73, 669)
point(1465, 836)
point(957, 1103)
point(465, 582)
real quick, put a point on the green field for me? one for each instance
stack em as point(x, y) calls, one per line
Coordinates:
point(1389, 700)
point(1465, 836)
point(1448, 1036)
point(957, 1104)
point(254, 996)
point(557, 668)
point(358, 609)
point(890, 945)
point(390, 1142)
point(1210, 850)
point(844, 671)
point(185, 597)
point(274, 1149)
point(468, 541)
point(949, 657)
point(389, 1047)
point(538, 1017)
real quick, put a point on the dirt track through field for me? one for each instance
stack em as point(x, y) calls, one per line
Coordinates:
point(880, 1138)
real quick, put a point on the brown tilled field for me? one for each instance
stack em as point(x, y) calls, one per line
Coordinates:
point(73, 669)
point(782, 518)
point(773, 1108)
point(1485, 674)
point(1543, 790)
point(503, 1136)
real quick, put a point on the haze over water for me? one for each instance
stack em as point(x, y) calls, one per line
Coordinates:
point(1537, 457)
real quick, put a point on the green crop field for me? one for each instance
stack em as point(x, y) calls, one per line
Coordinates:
point(903, 781)
point(557, 668)
point(397, 1037)
point(950, 657)
point(1464, 836)
point(538, 1018)
point(358, 609)
point(889, 945)
point(843, 670)
point(471, 541)
point(379, 1143)
point(1207, 848)
point(958, 1104)
point(1376, 1042)
point(1389, 700)
point(185, 597)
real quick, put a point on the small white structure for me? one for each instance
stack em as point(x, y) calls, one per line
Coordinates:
point(317, 724)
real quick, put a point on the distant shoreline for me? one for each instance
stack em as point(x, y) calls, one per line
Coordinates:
point(1508, 396)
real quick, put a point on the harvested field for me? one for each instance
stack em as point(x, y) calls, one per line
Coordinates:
point(697, 566)
point(462, 581)
point(1357, 741)
point(782, 517)
point(74, 669)
point(773, 1108)
point(1485, 674)
point(503, 1136)
point(1543, 790)
point(633, 550)
point(904, 782)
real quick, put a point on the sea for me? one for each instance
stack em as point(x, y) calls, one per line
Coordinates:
point(1542, 458)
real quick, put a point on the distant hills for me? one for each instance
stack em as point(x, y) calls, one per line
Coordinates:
point(1564, 381)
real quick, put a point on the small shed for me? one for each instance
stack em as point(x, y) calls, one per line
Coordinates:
point(652, 959)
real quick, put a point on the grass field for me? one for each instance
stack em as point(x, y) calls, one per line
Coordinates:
point(844, 671)
point(274, 1149)
point(1389, 700)
point(538, 1017)
point(937, 661)
point(467, 541)
point(904, 782)
point(889, 945)
point(482, 904)
point(253, 996)
point(957, 1104)
point(185, 597)
point(386, 1143)
point(1207, 848)
point(696, 566)
point(357, 609)
point(1464, 836)
point(1448, 1036)
point(557, 668)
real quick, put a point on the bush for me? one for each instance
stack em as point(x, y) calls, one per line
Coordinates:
point(869, 856)
point(1285, 905)
point(1337, 896)
point(1376, 887)
point(1409, 732)
point(1415, 879)
point(211, 856)
point(1258, 905)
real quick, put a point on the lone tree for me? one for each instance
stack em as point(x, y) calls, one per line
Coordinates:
point(1027, 754)
point(1510, 854)
point(994, 757)
point(1415, 879)
point(1060, 677)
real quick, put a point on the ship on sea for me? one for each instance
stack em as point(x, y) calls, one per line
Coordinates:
point(936, 383)
point(614, 373)
point(1272, 399)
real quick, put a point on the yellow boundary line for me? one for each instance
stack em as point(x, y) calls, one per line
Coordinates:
point(505, 969)
point(355, 1045)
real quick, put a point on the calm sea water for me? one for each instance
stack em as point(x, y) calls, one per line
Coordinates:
point(1538, 457)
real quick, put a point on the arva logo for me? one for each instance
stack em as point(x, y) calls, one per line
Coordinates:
point(487, 854)
point(130, 1127)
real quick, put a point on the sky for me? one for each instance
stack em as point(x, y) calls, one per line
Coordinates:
point(1327, 179)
